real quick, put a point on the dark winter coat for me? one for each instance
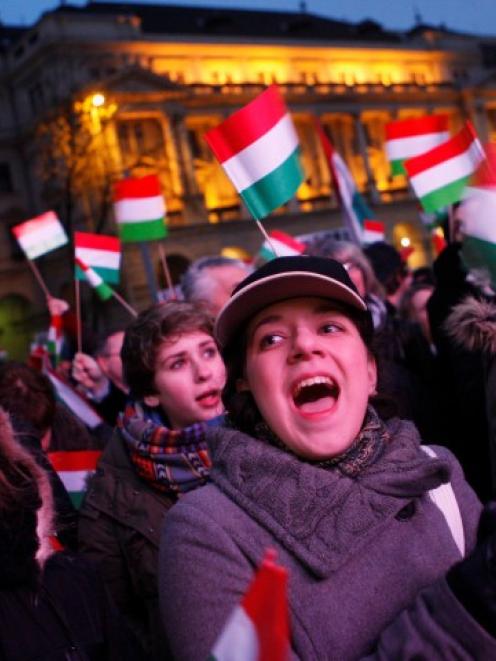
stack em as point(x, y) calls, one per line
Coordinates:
point(119, 528)
point(366, 557)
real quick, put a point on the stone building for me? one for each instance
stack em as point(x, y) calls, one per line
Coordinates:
point(89, 94)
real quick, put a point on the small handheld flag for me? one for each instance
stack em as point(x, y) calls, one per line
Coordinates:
point(102, 253)
point(440, 176)
point(410, 137)
point(74, 469)
point(258, 628)
point(284, 244)
point(259, 150)
point(40, 235)
point(102, 289)
point(373, 230)
point(139, 208)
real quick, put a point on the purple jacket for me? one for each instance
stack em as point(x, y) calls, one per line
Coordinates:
point(366, 557)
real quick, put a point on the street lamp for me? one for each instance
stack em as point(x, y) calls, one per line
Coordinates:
point(98, 100)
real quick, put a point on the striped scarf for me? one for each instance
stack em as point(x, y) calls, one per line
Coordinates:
point(170, 460)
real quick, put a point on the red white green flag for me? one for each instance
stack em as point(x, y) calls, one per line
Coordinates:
point(55, 338)
point(40, 235)
point(258, 629)
point(73, 400)
point(102, 253)
point(74, 468)
point(283, 244)
point(440, 176)
point(139, 208)
point(373, 230)
point(102, 289)
point(410, 137)
point(259, 150)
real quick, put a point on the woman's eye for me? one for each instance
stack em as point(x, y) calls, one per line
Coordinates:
point(270, 340)
point(210, 352)
point(331, 327)
point(177, 364)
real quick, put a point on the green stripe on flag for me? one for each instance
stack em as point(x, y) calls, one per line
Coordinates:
point(361, 209)
point(477, 253)
point(104, 291)
point(397, 167)
point(275, 188)
point(442, 197)
point(149, 230)
point(108, 275)
point(266, 253)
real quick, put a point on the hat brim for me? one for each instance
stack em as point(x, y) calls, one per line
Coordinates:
point(256, 296)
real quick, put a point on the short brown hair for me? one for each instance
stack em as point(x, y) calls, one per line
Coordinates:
point(145, 336)
point(27, 395)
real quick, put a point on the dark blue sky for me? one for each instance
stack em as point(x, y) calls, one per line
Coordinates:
point(478, 16)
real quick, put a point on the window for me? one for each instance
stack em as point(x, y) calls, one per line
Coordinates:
point(141, 139)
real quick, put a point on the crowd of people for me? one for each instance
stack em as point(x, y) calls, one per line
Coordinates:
point(335, 406)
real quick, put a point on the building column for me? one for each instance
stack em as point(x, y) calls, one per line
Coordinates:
point(194, 208)
point(362, 144)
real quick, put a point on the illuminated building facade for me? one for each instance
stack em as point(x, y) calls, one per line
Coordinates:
point(166, 74)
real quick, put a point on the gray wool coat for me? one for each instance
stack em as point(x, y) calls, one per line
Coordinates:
point(366, 557)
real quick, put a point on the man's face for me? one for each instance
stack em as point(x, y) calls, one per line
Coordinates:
point(226, 279)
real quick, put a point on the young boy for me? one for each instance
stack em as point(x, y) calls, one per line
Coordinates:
point(175, 377)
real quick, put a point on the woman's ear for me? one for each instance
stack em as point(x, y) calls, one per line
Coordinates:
point(372, 375)
point(242, 385)
point(151, 401)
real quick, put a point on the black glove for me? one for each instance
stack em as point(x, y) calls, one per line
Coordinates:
point(473, 580)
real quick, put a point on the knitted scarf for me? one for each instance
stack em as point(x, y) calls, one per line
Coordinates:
point(365, 449)
point(170, 460)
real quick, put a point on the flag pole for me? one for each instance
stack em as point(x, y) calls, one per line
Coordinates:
point(266, 237)
point(124, 304)
point(39, 278)
point(165, 267)
point(150, 275)
point(79, 331)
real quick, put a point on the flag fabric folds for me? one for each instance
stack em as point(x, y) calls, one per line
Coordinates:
point(102, 253)
point(478, 217)
point(102, 289)
point(258, 629)
point(356, 209)
point(73, 400)
point(284, 245)
point(259, 150)
point(139, 208)
point(40, 235)
point(410, 137)
point(439, 176)
point(74, 468)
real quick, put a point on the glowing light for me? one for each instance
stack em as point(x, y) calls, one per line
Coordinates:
point(405, 241)
point(98, 100)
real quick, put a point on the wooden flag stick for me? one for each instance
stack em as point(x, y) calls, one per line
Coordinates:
point(79, 327)
point(167, 274)
point(124, 304)
point(150, 275)
point(39, 278)
point(266, 237)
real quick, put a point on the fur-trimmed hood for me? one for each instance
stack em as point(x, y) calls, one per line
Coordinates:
point(472, 325)
point(26, 509)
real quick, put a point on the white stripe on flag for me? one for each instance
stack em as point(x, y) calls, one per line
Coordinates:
point(75, 402)
point(103, 258)
point(139, 209)
point(238, 640)
point(93, 278)
point(42, 240)
point(438, 176)
point(478, 214)
point(74, 481)
point(401, 148)
point(281, 248)
point(371, 236)
point(262, 156)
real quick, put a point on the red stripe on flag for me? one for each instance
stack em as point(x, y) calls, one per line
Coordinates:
point(374, 226)
point(454, 147)
point(265, 603)
point(45, 220)
point(74, 460)
point(288, 240)
point(81, 264)
point(148, 186)
point(408, 128)
point(246, 125)
point(96, 241)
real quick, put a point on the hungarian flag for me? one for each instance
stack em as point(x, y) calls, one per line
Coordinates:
point(55, 338)
point(75, 467)
point(40, 235)
point(139, 208)
point(259, 150)
point(73, 400)
point(355, 208)
point(258, 629)
point(102, 253)
point(478, 216)
point(410, 137)
point(440, 176)
point(284, 245)
point(373, 230)
point(102, 289)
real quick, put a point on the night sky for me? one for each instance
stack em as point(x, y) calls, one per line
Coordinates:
point(476, 17)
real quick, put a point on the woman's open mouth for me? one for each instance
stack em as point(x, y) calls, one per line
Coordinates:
point(209, 399)
point(315, 395)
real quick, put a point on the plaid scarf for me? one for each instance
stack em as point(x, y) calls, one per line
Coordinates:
point(170, 460)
